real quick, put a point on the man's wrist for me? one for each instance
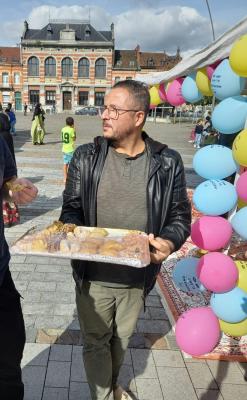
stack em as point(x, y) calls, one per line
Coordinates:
point(170, 245)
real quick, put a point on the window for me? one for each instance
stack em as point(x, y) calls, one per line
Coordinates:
point(150, 62)
point(83, 99)
point(34, 97)
point(117, 79)
point(100, 68)
point(50, 97)
point(16, 78)
point(5, 78)
point(33, 66)
point(132, 63)
point(128, 78)
point(67, 67)
point(83, 68)
point(119, 63)
point(99, 98)
point(50, 67)
point(6, 99)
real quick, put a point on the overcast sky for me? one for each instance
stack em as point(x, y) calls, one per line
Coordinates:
point(156, 25)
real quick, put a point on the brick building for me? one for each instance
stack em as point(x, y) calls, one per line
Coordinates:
point(69, 64)
point(66, 63)
point(10, 77)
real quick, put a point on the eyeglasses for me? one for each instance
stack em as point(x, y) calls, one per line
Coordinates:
point(113, 112)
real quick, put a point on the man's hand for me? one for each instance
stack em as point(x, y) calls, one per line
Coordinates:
point(162, 249)
point(26, 192)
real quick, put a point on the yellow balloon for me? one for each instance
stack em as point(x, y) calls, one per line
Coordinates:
point(238, 56)
point(154, 96)
point(241, 204)
point(242, 276)
point(238, 329)
point(239, 148)
point(203, 82)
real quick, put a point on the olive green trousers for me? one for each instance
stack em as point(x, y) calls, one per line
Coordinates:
point(107, 317)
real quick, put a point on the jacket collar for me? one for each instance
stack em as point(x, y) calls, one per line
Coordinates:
point(153, 145)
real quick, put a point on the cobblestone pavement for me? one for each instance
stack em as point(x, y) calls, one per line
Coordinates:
point(154, 368)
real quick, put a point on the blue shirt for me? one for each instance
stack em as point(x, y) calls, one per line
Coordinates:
point(12, 117)
point(7, 171)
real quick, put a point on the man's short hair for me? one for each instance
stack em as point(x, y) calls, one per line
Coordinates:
point(138, 91)
point(69, 121)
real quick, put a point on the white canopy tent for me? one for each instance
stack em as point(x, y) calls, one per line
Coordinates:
point(217, 50)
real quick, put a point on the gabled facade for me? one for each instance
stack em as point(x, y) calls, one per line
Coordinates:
point(66, 64)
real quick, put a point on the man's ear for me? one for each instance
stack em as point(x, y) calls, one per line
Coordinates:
point(140, 116)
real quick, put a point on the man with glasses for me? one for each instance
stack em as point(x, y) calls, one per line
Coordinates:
point(122, 180)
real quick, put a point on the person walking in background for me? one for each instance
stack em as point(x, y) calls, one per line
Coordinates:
point(68, 139)
point(124, 179)
point(38, 126)
point(12, 329)
point(10, 209)
point(12, 118)
point(198, 133)
point(25, 109)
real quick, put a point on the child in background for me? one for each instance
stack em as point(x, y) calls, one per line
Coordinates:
point(198, 133)
point(68, 139)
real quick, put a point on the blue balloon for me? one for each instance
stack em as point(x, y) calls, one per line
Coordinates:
point(184, 275)
point(230, 115)
point(225, 82)
point(239, 222)
point(214, 162)
point(230, 306)
point(215, 197)
point(190, 90)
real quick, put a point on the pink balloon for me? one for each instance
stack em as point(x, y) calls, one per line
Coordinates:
point(217, 272)
point(198, 331)
point(211, 68)
point(152, 106)
point(162, 92)
point(211, 233)
point(174, 93)
point(241, 186)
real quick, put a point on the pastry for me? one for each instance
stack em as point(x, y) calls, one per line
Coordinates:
point(65, 246)
point(81, 232)
point(15, 187)
point(38, 245)
point(98, 232)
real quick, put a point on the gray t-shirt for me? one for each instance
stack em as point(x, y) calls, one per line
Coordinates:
point(122, 191)
point(121, 203)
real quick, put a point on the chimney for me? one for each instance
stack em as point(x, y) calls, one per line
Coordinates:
point(112, 32)
point(138, 58)
point(25, 28)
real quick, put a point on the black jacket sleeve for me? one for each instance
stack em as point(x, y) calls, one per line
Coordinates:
point(72, 205)
point(177, 228)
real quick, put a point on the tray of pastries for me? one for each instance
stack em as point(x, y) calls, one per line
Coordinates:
point(118, 246)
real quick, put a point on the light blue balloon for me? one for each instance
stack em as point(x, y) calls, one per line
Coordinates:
point(239, 222)
point(229, 115)
point(190, 90)
point(184, 275)
point(214, 162)
point(230, 306)
point(215, 197)
point(225, 82)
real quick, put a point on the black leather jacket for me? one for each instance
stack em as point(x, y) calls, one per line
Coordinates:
point(169, 210)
